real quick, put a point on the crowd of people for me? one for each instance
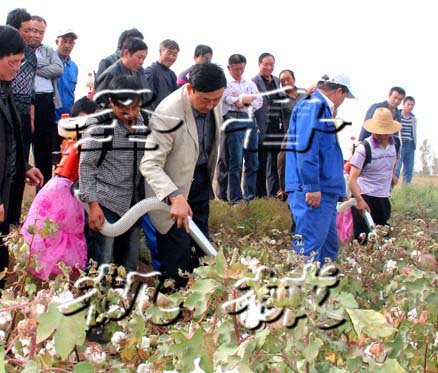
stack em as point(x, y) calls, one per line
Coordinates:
point(198, 130)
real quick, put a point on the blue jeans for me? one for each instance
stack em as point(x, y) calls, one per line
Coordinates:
point(407, 156)
point(124, 248)
point(237, 151)
point(317, 226)
point(150, 233)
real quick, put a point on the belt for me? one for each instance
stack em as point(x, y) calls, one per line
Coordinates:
point(236, 114)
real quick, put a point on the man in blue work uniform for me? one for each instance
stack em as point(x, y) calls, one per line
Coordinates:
point(66, 83)
point(314, 168)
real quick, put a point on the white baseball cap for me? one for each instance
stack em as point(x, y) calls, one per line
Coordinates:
point(66, 32)
point(340, 78)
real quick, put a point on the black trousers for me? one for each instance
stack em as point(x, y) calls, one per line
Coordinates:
point(261, 173)
point(268, 183)
point(4, 254)
point(26, 134)
point(222, 170)
point(380, 212)
point(44, 133)
point(175, 247)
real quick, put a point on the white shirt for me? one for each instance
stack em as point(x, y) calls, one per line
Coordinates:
point(42, 85)
point(235, 89)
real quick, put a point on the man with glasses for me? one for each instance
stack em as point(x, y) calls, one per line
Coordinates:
point(109, 180)
point(14, 170)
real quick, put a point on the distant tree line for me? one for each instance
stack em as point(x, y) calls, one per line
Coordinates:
point(429, 161)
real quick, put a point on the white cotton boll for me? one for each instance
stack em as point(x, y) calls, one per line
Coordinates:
point(25, 342)
point(412, 315)
point(397, 312)
point(414, 345)
point(2, 335)
point(145, 343)
point(40, 309)
point(95, 354)
point(117, 338)
point(50, 348)
point(415, 253)
point(367, 351)
point(390, 265)
point(146, 368)
point(63, 297)
point(272, 242)
point(253, 265)
point(359, 270)
point(5, 318)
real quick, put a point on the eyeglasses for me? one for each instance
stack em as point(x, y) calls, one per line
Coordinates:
point(16, 64)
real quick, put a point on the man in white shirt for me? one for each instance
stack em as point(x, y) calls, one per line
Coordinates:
point(240, 99)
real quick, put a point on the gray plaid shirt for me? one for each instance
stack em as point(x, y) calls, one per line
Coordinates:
point(111, 184)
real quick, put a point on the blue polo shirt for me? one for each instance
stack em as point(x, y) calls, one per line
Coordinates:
point(66, 87)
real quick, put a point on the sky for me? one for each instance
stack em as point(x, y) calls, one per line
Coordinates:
point(378, 43)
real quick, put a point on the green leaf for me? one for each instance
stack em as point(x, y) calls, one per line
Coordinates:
point(260, 337)
point(137, 326)
point(2, 359)
point(199, 296)
point(70, 332)
point(84, 367)
point(30, 287)
point(48, 322)
point(414, 275)
point(312, 349)
point(347, 300)
point(224, 352)
point(31, 367)
point(203, 286)
point(390, 366)
point(396, 346)
point(370, 322)
point(220, 263)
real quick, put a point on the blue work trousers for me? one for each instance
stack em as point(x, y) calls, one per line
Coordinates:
point(316, 226)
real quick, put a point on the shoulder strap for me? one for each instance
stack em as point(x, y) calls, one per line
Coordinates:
point(368, 155)
point(106, 145)
point(397, 145)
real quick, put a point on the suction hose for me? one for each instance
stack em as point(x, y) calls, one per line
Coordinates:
point(344, 206)
point(141, 208)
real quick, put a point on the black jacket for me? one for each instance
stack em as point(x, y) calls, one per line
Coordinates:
point(11, 191)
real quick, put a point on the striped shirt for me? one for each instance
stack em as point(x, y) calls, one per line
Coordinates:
point(22, 83)
point(407, 130)
point(112, 184)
